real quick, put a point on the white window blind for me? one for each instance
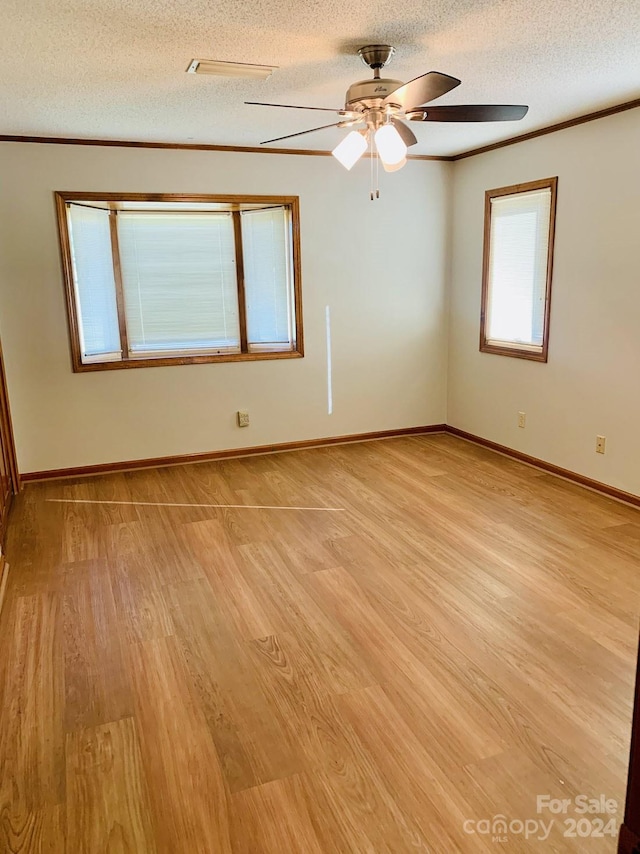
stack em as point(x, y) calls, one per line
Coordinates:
point(517, 276)
point(90, 240)
point(266, 242)
point(179, 281)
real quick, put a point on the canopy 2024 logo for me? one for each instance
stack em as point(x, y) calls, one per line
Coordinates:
point(581, 817)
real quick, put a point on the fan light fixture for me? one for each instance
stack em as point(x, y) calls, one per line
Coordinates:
point(351, 149)
point(390, 148)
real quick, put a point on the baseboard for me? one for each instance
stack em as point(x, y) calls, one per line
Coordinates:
point(210, 456)
point(4, 572)
point(566, 474)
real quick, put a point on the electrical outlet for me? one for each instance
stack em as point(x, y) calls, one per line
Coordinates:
point(522, 419)
point(243, 418)
point(600, 444)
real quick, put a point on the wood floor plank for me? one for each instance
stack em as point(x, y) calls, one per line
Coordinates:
point(97, 688)
point(346, 778)
point(31, 714)
point(463, 732)
point(274, 818)
point(137, 592)
point(335, 651)
point(222, 565)
point(187, 791)
point(107, 800)
point(409, 771)
point(40, 832)
point(252, 740)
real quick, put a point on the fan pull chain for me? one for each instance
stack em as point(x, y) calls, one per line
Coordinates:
point(371, 164)
point(374, 176)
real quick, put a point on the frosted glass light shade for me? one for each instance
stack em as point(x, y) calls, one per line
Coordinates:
point(351, 149)
point(391, 148)
point(393, 167)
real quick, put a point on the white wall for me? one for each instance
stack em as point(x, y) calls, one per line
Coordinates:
point(380, 266)
point(591, 384)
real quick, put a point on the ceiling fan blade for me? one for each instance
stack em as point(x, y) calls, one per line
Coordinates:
point(407, 135)
point(301, 133)
point(471, 113)
point(423, 89)
point(295, 107)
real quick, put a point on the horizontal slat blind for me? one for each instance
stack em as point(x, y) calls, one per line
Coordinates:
point(518, 267)
point(90, 240)
point(179, 281)
point(266, 242)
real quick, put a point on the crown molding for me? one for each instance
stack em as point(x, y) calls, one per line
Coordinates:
point(253, 149)
point(569, 123)
point(180, 146)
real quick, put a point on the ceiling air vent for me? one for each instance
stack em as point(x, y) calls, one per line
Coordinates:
point(230, 69)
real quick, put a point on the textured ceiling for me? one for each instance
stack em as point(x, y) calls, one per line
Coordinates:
point(116, 68)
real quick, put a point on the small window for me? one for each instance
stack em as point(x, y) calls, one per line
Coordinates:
point(163, 280)
point(518, 261)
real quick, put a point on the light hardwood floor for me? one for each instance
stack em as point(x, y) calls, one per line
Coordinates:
point(459, 639)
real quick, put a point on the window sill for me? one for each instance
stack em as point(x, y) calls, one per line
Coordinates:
point(514, 351)
point(169, 361)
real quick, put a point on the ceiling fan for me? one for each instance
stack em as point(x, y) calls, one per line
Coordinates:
point(378, 109)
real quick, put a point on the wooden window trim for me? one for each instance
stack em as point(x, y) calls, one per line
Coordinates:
point(518, 351)
point(117, 278)
point(242, 303)
point(235, 203)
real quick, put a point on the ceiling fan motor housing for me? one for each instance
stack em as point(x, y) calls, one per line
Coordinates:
point(366, 94)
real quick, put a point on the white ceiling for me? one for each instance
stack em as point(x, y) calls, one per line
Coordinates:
point(116, 68)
